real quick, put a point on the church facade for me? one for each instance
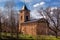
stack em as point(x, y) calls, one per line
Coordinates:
point(34, 27)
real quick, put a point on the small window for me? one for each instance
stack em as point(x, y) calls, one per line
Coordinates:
point(26, 18)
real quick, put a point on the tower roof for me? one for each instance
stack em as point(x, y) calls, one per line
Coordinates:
point(24, 7)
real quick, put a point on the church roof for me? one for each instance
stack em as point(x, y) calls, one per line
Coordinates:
point(39, 20)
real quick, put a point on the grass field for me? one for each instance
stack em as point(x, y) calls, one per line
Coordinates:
point(21, 36)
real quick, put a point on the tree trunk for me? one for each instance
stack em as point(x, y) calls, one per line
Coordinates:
point(0, 30)
point(56, 34)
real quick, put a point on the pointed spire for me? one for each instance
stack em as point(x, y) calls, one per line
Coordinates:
point(24, 7)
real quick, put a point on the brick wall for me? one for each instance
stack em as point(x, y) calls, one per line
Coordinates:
point(29, 28)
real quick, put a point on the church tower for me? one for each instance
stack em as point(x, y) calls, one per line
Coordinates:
point(24, 14)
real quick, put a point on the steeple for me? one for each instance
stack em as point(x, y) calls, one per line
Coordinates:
point(24, 14)
point(24, 7)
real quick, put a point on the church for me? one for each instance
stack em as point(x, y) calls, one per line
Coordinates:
point(31, 27)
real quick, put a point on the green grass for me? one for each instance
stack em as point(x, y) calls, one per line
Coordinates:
point(43, 37)
point(40, 37)
point(26, 36)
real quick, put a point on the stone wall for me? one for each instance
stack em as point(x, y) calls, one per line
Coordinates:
point(42, 29)
point(34, 28)
point(29, 28)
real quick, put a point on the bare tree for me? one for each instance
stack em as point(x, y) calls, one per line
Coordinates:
point(53, 19)
point(9, 5)
point(0, 24)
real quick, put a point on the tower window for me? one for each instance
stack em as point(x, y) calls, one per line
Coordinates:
point(26, 18)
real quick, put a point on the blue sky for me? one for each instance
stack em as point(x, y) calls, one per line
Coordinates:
point(33, 4)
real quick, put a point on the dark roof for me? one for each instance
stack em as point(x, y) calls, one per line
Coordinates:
point(39, 20)
point(25, 7)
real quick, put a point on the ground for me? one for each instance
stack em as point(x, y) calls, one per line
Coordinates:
point(29, 37)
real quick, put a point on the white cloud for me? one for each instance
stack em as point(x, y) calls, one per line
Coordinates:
point(42, 3)
point(5, 9)
point(27, 1)
point(53, 8)
point(35, 15)
point(39, 4)
point(36, 5)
